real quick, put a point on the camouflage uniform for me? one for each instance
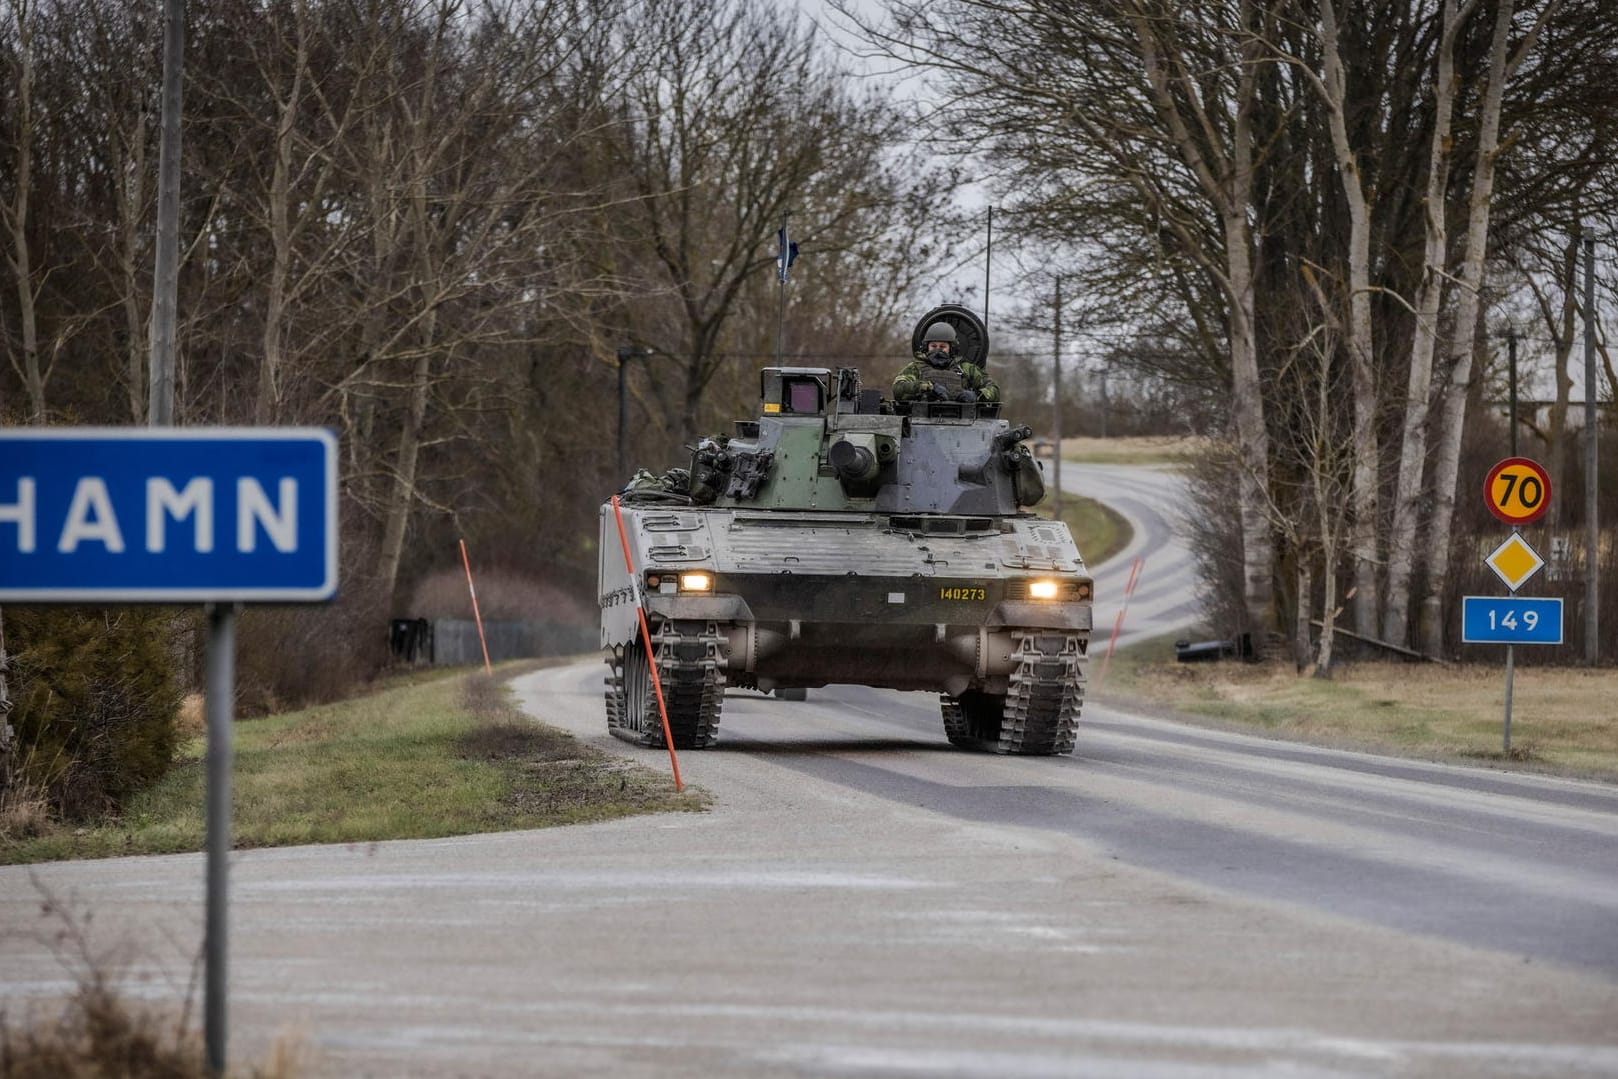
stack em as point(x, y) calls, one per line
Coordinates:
point(916, 381)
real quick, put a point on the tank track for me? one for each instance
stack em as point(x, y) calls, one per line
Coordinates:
point(690, 665)
point(1039, 713)
point(614, 683)
point(1045, 693)
point(956, 728)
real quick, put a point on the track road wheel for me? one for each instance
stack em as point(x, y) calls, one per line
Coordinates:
point(972, 720)
point(614, 683)
point(689, 665)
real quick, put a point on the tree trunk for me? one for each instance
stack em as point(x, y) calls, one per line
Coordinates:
point(1225, 175)
point(267, 406)
point(136, 330)
point(1413, 444)
point(1300, 630)
point(1328, 620)
point(1361, 340)
point(16, 219)
point(1258, 549)
point(407, 452)
point(1468, 315)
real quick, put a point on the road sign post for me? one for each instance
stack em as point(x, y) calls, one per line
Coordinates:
point(1518, 492)
point(219, 516)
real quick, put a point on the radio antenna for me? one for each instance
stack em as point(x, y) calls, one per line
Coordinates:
point(988, 253)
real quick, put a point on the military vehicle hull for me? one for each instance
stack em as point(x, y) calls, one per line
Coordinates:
point(844, 539)
point(834, 598)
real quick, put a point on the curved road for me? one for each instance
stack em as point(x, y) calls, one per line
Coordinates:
point(864, 901)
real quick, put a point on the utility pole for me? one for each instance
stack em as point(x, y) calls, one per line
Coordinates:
point(1056, 403)
point(1106, 405)
point(625, 354)
point(166, 272)
point(1511, 367)
point(219, 675)
point(1592, 550)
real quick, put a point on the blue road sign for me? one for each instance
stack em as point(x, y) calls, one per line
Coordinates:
point(167, 514)
point(1510, 620)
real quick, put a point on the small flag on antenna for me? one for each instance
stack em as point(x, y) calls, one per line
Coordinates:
point(787, 254)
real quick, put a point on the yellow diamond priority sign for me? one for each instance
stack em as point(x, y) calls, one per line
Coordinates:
point(1514, 561)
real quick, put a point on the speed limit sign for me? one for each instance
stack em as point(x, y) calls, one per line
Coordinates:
point(1517, 491)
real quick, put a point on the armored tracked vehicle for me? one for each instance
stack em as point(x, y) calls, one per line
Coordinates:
point(843, 538)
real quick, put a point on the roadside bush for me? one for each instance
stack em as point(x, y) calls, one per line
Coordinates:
point(96, 698)
point(1213, 532)
point(289, 657)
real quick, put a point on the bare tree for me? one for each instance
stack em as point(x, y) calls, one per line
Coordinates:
point(735, 123)
point(1503, 62)
point(1332, 84)
point(23, 31)
point(1402, 546)
point(1118, 121)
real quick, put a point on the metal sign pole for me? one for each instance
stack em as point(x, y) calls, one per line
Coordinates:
point(1511, 666)
point(1511, 657)
point(221, 688)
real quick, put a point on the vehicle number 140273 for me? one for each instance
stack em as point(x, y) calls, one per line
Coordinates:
point(962, 593)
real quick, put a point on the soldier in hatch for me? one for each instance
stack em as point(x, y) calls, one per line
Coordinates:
point(938, 374)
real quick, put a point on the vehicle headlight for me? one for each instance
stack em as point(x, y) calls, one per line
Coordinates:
point(696, 582)
point(1043, 589)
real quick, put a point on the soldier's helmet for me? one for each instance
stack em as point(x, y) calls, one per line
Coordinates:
point(940, 331)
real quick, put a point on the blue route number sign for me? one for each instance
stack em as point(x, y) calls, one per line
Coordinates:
point(1511, 620)
point(168, 515)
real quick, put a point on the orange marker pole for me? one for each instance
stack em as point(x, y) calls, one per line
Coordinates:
point(1118, 623)
point(478, 617)
point(646, 636)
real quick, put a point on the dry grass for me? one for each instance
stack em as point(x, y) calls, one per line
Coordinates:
point(192, 720)
point(429, 756)
point(99, 1034)
point(1563, 719)
point(24, 814)
point(1138, 450)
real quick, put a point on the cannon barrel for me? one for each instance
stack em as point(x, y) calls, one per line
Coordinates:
point(852, 462)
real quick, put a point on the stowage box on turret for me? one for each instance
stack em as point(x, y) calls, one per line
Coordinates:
point(843, 538)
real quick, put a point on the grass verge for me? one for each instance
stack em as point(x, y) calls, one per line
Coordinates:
point(1561, 717)
point(1138, 450)
point(421, 759)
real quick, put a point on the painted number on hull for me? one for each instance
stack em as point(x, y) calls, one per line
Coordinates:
point(962, 593)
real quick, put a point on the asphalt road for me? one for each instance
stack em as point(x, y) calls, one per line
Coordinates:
point(863, 900)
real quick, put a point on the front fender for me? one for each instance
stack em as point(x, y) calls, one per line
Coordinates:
point(699, 608)
point(1067, 616)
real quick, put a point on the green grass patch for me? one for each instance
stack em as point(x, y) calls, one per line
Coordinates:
point(442, 757)
point(1136, 450)
point(1099, 532)
point(1444, 713)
